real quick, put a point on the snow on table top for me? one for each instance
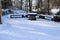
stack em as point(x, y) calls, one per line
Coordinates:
point(24, 29)
point(32, 13)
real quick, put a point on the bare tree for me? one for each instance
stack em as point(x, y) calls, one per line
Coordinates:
point(0, 12)
point(30, 5)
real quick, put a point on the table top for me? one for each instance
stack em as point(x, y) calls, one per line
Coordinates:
point(32, 13)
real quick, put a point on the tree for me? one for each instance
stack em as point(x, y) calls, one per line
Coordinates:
point(30, 5)
point(58, 3)
point(55, 3)
point(0, 12)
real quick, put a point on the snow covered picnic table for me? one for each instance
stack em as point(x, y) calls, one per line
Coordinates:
point(23, 29)
point(19, 12)
point(32, 16)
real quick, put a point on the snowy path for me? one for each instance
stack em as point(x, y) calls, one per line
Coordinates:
point(24, 29)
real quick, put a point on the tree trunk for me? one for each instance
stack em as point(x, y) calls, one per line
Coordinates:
point(30, 5)
point(0, 12)
point(21, 4)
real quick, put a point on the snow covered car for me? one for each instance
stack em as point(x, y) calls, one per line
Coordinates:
point(56, 13)
point(56, 17)
point(6, 11)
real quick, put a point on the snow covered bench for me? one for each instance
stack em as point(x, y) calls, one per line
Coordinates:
point(41, 16)
point(16, 16)
point(48, 17)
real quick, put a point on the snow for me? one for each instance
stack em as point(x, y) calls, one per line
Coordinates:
point(24, 29)
point(55, 10)
point(32, 13)
point(19, 12)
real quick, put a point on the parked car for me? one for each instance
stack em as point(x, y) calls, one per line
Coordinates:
point(57, 17)
point(54, 16)
point(6, 11)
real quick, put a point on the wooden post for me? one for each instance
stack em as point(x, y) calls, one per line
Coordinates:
point(30, 5)
point(48, 6)
point(0, 12)
point(39, 4)
point(21, 4)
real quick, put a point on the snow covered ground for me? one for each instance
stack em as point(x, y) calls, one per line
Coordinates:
point(24, 29)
